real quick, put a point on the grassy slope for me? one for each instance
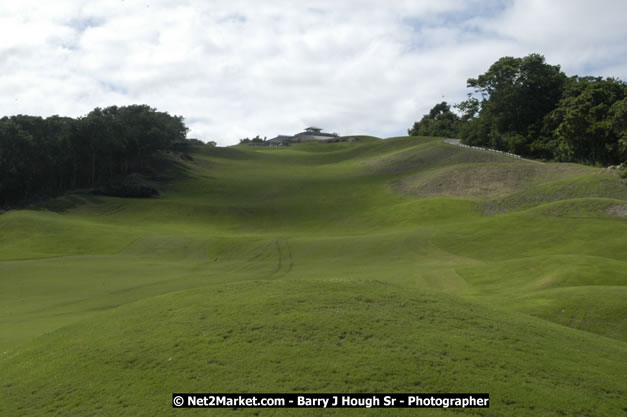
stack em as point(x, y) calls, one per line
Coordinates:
point(332, 335)
point(335, 264)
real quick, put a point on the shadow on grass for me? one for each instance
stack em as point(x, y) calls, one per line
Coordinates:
point(67, 202)
point(161, 170)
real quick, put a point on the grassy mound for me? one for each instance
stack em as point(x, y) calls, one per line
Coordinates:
point(481, 180)
point(333, 336)
point(583, 292)
point(596, 185)
point(428, 154)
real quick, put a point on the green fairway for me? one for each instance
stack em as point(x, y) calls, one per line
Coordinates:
point(398, 265)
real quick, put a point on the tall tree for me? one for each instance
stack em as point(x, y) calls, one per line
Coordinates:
point(41, 157)
point(517, 93)
point(440, 121)
point(589, 122)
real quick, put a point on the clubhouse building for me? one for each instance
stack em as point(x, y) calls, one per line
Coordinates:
point(310, 133)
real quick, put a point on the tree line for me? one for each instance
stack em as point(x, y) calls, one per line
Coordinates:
point(47, 156)
point(257, 140)
point(528, 107)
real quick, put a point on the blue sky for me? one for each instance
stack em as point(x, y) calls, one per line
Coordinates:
point(240, 68)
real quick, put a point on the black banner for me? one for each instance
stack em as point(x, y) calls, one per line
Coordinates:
point(258, 400)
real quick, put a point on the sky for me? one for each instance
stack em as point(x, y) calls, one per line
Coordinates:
point(237, 68)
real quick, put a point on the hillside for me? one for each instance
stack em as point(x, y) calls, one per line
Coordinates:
point(402, 265)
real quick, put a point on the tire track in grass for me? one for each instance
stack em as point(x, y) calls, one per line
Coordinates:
point(285, 261)
point(263, 251)
point(280, 262)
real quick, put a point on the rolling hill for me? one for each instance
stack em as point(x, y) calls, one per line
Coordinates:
point(399, 265)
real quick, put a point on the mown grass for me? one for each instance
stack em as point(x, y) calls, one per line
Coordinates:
point(309, 269)
point(318, 336)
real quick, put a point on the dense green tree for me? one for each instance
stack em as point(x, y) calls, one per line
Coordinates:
point(469, 126)
point(589, 122)
point(618, 123)
point(257, 140)
point(40, 157)
point(194, 141)
point(531, 108)
point(16, 148)
point(440, 121)
point(517, 94)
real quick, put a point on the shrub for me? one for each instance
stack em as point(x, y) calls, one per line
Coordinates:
point(133, 186)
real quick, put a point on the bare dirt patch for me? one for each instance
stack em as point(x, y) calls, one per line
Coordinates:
point(479, 180)
point(619, 210)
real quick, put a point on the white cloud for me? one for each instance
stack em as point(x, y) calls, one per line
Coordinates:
point(239, 68)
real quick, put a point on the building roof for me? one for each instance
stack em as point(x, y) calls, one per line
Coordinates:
point(280, 138)
point(313, 128)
